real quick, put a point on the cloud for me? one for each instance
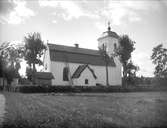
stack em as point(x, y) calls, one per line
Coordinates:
point(49, 3)
point(117, 10)
point(121, 12)
point(110, 10)
point(134, 18)
point(72, 10)
point(6, 6)
point(69, 9)
point(142, 59)
point(16, 12)
point(54, 21)
point(101, 26)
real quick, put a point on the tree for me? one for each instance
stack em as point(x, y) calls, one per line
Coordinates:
point(106, 58)
point(1, 66)
point(3, 46)
point(13, 55)
point(34, 49)
point(29, 73)
point(131, 72)
point(124, 50)
point(10, 59)
point(159, 58)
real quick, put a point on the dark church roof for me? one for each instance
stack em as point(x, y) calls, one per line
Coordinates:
point(77, 55)
point(80, 69)
point(109, 33)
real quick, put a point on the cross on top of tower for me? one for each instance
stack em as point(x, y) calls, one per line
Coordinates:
point(109, 28)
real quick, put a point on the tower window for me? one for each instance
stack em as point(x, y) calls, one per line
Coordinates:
point(86, 81)
point(46, 67)
point(115, 45)
point(65, 74)
point(103, 47)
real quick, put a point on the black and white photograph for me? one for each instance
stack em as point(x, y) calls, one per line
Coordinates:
point(83, 63)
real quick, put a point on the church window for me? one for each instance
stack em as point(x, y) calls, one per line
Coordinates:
point(65, 74)
point(86, 81)
point(115, 45)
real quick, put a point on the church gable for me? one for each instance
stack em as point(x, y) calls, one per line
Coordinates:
point(80, 69)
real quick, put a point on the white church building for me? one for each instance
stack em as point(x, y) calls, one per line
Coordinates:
point(84, 67)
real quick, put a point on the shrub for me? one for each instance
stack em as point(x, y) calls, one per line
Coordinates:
point(1, 88)
point(86, 89)
point(160, 81)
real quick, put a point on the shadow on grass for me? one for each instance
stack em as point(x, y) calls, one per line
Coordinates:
point(60, 123)
point(63, 124)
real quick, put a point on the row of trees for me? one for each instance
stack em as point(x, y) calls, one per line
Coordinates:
point(12, 55)
point(33, 49)
point(158, 57)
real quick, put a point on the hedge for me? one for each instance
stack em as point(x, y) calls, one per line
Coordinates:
point(159, 81)
point(1, 88)
point(64, 89)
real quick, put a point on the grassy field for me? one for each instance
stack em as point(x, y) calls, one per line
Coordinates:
point(88, 110)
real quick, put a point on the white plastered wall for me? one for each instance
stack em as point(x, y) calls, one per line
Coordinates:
point(100, 71)
point(47, 61)
point(86, 74)
point(57, 70)
point(114, 75)
point(109, 43)
point(116, 72)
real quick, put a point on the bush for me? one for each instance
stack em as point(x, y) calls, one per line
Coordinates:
point(85, 89)
point(160, 81)
point(1, 88)
point(24, 81)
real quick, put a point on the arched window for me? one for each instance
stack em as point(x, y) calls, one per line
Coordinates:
point(65, 74)
point(86, 81)
point(115, 46)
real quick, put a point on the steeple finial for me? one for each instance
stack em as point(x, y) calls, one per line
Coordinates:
point(109, 28)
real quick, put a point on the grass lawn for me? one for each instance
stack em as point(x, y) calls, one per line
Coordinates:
point(86, 110)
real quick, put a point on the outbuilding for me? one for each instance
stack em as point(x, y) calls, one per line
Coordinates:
point(43, 78)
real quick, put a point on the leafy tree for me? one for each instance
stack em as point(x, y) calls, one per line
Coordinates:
point(10, 60)
point(159, 58)
point(3, 46)
point(29, 73)
point(34, 49)
point(106, 58)
point(131, 69)
point(131, 72)
point(1, 66)
point(9, 74)
point(124, 50)
point(13, 56)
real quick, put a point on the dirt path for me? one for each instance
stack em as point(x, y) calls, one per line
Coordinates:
point(2, 108)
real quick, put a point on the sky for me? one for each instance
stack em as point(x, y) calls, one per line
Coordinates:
point(68, 22)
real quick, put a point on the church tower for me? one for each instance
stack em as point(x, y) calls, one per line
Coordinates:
point(108, 40)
